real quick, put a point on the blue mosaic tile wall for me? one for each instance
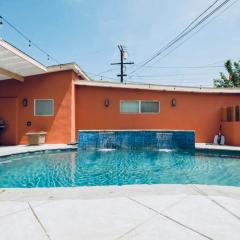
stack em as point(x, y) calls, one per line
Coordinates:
point(136, 140)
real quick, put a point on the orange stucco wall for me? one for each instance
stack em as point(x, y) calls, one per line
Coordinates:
point(194, 111)
point(231, 131)
point(59, 86)
point(8, 111)
point(79, 107)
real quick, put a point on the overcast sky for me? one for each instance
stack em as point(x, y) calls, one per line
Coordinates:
point(88, 32)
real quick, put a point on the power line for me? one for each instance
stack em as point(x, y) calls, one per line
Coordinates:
point(170, 75)
point(30, 42)
point(109, 70)
point(156, 76)
point(182, 82)
point(195, 20)
point(185, 32)
point(102, 76)
point(196, 33)
point(184, 67)
point(189, 25)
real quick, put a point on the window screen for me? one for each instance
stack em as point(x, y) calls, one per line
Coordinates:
point(129, 106)
point(44, 107)
point(149, 107)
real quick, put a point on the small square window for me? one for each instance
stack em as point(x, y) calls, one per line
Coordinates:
point(43, 107)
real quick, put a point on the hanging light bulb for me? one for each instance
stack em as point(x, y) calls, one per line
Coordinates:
point(29, 43)
point(48, 58)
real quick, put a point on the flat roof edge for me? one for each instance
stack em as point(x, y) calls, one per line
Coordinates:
point(153, 87)
point(69, 66)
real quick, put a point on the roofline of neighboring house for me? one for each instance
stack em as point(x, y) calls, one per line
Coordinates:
point(154, 87)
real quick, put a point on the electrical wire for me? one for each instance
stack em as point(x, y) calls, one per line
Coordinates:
point(109, 70)
point(30, 42)
point(102, 76)
point(181, 82)
point(184, 33)
point(197, 32)
point(195, 20)
point(185, 67)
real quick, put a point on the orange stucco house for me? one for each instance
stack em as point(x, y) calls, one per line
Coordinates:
point(62, 99)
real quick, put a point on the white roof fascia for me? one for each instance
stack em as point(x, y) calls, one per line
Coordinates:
point(69, 66)
point(22, 55)
point(154, 87)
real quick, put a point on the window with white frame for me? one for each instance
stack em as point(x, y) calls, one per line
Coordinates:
point(150, 107)
point(139, 106)
point(43, 107)
point(129, 106)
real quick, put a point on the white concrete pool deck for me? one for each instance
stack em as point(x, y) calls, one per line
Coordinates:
point(10, 150)
point(136, 212)
point(216, 147)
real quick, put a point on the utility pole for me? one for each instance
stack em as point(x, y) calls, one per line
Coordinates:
point(123, 56)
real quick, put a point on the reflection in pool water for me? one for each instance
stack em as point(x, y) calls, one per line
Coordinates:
point(98, 168)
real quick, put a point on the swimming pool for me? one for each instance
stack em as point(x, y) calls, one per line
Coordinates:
point(120, 167)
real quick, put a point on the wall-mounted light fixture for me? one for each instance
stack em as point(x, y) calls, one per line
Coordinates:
point(106, 103)
point(174, 102)
point(29, 123)
point(25, 102)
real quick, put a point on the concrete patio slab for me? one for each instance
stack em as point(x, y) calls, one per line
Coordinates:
point(128, 212)
point(91, 219)
point(161, 228)
point(21, 226)
point(10, 207)
point(228, 191)
point(160, 202)
point(207, 146)
point(11, 150)
point(202, 215)
point(231, 204)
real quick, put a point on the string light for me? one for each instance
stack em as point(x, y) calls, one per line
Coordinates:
point(30, 43)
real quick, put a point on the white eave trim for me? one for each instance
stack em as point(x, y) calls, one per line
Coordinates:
point(38, 67)
point(154, 87)
point(22, 55)
point(69, 66)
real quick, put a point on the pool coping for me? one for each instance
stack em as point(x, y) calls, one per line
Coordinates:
point(25, 149)
point(103, 192)
point(209, 146)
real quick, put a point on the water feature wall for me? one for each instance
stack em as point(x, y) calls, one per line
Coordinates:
point(136, 139)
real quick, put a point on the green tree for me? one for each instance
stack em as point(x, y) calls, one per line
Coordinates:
point(232, 79)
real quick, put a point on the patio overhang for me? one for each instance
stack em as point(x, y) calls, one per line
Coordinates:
point(14, 64)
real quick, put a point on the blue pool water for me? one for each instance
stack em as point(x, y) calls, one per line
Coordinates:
point(98, 168)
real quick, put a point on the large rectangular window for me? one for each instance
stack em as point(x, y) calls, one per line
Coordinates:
point(43, 107)
point(139, 106)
